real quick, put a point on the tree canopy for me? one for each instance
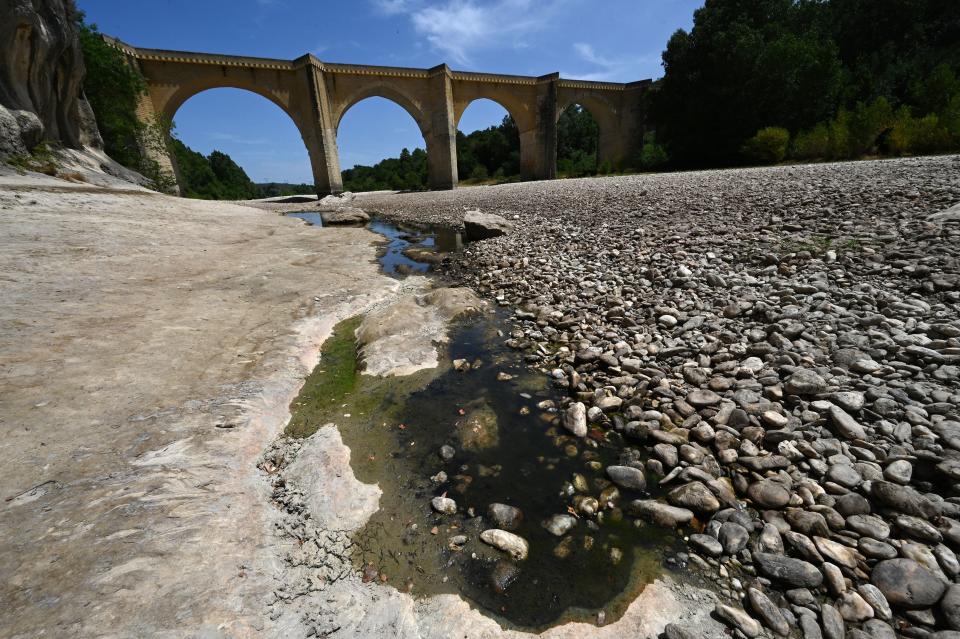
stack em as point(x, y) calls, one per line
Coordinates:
point(747, 65)
point(214, 177)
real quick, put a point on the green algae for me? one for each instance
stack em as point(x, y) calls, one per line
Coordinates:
point(331, 383)
point(394, 427)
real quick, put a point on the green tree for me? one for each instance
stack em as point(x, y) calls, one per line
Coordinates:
point(215, 177)
point(745, 64)
point(113, 89)
point(578, 136)
point(768, 146)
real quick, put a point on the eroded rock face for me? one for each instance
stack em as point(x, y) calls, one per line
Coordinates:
point(41, 77)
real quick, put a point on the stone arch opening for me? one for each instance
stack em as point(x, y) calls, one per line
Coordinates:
point(488, 143)
point(368, 164)
point(578, 141)
point(280, 158)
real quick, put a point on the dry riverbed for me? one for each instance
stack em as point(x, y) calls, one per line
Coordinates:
point(150, 348)
point(769, 355)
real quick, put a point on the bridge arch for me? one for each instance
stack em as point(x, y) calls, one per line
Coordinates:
point(170, 104)
point(361, 141)
point(520, 101)
point(241, 116)
point(386, 92)
point(515, 137)
point(607, 116)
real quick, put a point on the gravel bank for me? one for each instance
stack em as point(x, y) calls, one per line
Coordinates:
point(781, 346)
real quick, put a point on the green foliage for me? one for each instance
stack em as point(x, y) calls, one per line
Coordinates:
point(768, 146)
point(833, 72)
point(113, 89)
point(813, 144)
point(493, 152)
point(912, 135)
point(875, 128)
point(577, 139)
point(40, 159)
point(652, 156)
point(277, 189)
point(745, 63)
point(405, 173)
point(216, 177)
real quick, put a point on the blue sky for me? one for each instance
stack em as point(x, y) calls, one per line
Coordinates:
point(618, 40)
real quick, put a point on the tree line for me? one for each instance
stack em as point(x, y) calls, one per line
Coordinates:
point(763, 80)
point(485, 156)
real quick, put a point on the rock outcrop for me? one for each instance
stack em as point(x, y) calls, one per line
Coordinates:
point(41, 77)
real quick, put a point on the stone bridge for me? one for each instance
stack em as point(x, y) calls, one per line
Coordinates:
point(317, 94)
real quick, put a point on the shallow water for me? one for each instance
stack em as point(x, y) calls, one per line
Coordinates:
point(395, 427)
point(312, 218)
point(392, 259)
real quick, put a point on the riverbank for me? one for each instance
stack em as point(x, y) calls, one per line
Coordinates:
point(149, 349)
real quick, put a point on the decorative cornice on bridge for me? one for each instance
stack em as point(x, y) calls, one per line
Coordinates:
point(217, 59)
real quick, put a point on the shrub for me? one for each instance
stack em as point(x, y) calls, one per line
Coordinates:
point(113, 89)
point(812, 145)
point(912, 135)
point(867, 123)
point(652, 156)
point(40, 159)
point(838, 131)
point(950, 118)
point(768, 146)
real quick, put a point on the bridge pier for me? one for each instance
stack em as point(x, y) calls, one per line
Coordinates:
point(441, 133)
point(543, 164)
point(320, 135)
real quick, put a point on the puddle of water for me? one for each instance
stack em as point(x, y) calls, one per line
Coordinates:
point(408, 249)
point(312, 218)
point(393, 261)
point(507, 451)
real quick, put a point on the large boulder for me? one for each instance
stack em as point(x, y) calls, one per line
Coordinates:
point(660, 513)
point(478, 429)
point(41, 76)
point(907, 584)
point(793, 572)
point(345, 215)
point(482, 226)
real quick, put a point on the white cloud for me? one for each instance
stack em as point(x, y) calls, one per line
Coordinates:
point(460, 28)
point(619, 69)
